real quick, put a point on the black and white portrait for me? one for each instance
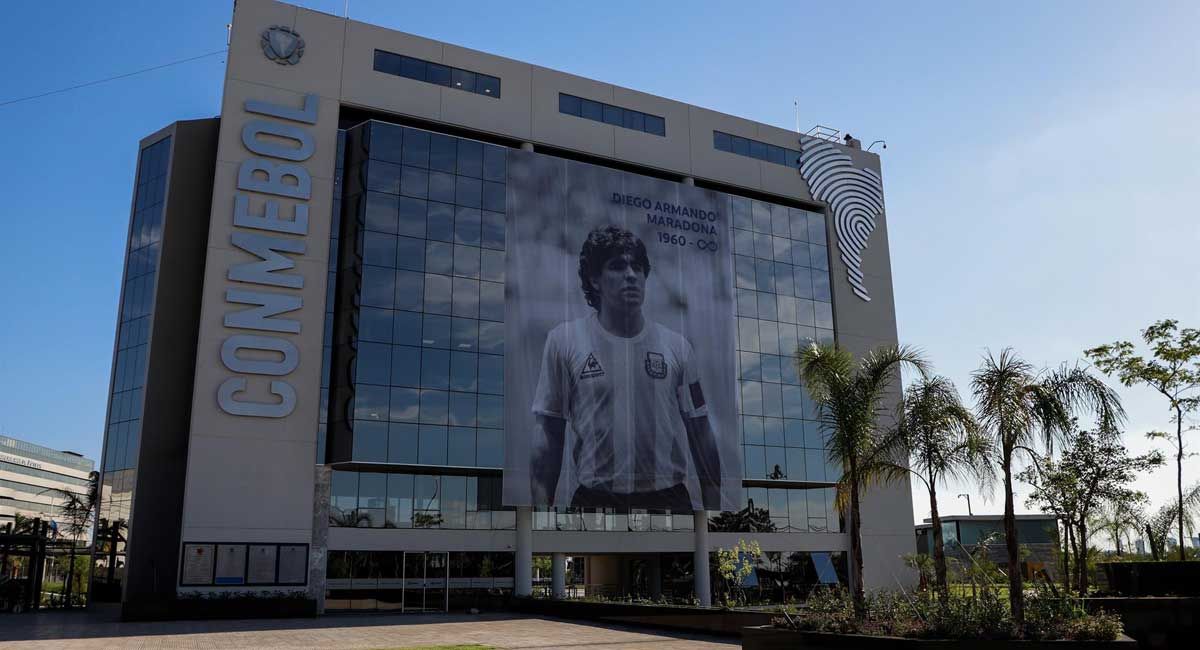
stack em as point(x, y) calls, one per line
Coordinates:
point(620, 387)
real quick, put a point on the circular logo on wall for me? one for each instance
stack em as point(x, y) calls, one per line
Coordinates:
point(282, 45)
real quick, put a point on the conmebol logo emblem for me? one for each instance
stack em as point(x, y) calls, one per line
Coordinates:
point(856, 196)
point(282, 45)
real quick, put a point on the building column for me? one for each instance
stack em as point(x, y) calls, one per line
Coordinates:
point(526, 146)
point(700, 558)
point(524, 552)
point(688, 180)
point(558, 575)
point(654, 576)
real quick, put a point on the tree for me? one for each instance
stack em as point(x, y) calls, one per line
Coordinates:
point(1019, 407)
point(1157, 526)
point(1174, 372)
point(941, 441)
point(1094, 468)
point(76, 511)
point(850, 398)
point(733, 566)
point(1118, 517)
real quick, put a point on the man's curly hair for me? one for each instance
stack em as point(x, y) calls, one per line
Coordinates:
point(602, 244)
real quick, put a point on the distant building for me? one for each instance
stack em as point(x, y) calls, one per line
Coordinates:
point(961, 534)
point(30, 474)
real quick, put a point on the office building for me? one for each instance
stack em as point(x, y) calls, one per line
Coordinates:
point(406, 315)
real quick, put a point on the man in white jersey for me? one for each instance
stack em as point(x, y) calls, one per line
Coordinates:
point(630, 389)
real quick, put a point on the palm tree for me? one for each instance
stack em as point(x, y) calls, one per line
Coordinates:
point(850, 397)
point(1019, 407)
point(76, 510)
point(940, 440)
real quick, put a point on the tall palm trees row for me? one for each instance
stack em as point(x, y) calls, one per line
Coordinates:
point(1020, 413)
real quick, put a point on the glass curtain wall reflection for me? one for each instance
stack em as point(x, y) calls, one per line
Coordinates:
point(123, 432)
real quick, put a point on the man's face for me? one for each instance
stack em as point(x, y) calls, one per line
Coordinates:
point(621, 283)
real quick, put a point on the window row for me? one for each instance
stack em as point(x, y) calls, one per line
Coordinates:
point(778, 220)
point(770, 337)
point(377, 500)
point(396, 442)
point(789, 464)
point(436, 73)
point(420, 183)
point(432, 293)
point(755, 149)
point(137, 300)
point(368, 569)
point(142, 260)
point(780, 249)
point(430, 331)
point(781, 510)
point(609, 114)
point(775, 400)
point(402, 365)
point(786, 309)
point(133, 333)
point(129, 368)
point(429, 406)
point(780, 432)
point(125, 405)
point(412, 254)
point(773, 368)
point(437, 152)
point(121, 445)
point(782, 277)
point(410, 217)
point(146, 225)
point(41, 473)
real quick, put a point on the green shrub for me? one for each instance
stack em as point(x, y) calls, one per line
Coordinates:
point(920, 615)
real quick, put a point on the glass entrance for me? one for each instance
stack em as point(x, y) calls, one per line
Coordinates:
point(425, 582)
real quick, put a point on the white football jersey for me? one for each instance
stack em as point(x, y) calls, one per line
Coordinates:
point(625, 399)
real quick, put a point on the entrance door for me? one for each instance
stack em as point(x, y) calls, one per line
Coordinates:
point(425, 582)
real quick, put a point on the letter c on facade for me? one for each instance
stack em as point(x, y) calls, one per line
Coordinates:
point(235, 385)
point(231, 346)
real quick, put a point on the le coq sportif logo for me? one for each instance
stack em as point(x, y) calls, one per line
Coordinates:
point(282, 45)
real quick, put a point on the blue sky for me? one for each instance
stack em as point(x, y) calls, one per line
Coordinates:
point(1042, 171)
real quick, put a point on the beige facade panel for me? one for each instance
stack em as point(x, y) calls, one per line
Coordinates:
point(323, 35)
point(507, 115)
point(229, 140)
point(361, 85)
point(722, 166)
point(673, 152)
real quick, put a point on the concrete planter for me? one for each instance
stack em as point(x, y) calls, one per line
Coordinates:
point(765, 637)
point(705, 620)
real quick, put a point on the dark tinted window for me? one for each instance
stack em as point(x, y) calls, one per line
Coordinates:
point(569, 104)
point(755, 149)
point(610, 114)
point(436, 73)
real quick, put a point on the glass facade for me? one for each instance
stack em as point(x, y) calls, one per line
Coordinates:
point(754, 149)
point(123, 432)
point(417, 355)
point(615, 115)
point(436, 73)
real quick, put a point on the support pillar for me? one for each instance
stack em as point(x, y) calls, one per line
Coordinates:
point(654, 576)
point(558, 575)
point(523, 569)
point(688, 180)
point(526, 146)
point(700, 558)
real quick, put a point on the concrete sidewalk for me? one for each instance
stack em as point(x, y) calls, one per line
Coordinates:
point(101, 629)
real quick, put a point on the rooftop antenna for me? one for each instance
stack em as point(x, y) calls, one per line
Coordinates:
point(228, 34)
point(796, 110)
point(346, 10)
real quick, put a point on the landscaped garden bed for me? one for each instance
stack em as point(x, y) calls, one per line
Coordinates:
point(925, 620)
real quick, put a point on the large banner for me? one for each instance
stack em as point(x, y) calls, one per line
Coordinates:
point(620, 380)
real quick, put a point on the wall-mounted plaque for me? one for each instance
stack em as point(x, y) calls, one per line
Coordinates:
point(293, 564)
point(260, 564)
point(197, 564)
point(231, 564)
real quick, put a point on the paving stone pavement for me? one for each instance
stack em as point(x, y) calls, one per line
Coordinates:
point(91, 630)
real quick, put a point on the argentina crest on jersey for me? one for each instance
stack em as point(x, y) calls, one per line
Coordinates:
point(656, 365)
